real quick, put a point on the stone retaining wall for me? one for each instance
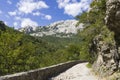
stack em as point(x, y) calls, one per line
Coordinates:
point(41, 74)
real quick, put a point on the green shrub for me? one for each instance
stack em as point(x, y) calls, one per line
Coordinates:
point(89, 65)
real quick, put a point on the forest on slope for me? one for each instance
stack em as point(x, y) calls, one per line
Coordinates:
point(22, 52)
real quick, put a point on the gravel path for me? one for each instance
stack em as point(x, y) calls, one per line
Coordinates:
point(77, 72)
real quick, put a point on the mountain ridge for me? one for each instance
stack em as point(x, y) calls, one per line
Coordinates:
point(63, 27)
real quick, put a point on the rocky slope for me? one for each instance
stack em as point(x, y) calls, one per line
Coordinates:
point(58, 28)
point(27, 29)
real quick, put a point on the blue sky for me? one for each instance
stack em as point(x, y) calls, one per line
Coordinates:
point(21, 13)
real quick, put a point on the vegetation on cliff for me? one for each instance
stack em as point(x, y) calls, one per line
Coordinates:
point(95, 25)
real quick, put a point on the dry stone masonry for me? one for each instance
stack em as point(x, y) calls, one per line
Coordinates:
point(41, 74)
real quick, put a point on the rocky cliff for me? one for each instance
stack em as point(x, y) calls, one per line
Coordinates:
point(108, 59)
point(113, 20)
point(106, 62)
point(113, 23)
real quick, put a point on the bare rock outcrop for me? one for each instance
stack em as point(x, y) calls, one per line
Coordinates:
point(106, 62)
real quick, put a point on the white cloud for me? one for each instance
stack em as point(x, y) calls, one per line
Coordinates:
point(12, 13)
point(5, 23)
point(48, 17)
point(62, 3)
point(36, 14)
point(73, 7)
point(25, 22)
point(28, 6)
point(15, 24)
point(9, 2)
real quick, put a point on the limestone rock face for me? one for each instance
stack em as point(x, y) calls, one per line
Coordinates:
point(113, 19)
point(64, 28)
point(106, 63)
point(113, 15)
point(27, 29)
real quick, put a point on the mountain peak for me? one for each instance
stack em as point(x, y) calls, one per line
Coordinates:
point(59, 27)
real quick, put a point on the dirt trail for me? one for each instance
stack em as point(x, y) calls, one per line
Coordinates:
point(77, 72)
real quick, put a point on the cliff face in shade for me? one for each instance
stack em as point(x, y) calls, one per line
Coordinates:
point(112, 20)
point(113, 15)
